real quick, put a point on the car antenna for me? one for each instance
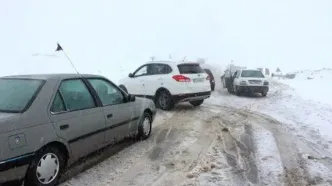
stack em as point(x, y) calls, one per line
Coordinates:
point(59, 48)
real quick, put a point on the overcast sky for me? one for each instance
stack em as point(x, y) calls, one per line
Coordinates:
point(115, 36)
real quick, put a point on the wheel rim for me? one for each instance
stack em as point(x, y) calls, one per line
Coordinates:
point(146, 125)
point(47, 168)
point(163, 101)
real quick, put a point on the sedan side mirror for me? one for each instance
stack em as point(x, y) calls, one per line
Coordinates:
point(131, 75)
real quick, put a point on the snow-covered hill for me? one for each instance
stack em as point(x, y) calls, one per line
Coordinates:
point(313, 85)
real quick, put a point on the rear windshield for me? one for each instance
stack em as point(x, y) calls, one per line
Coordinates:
point(190, 69)
point(16, 94)
point(252, 73)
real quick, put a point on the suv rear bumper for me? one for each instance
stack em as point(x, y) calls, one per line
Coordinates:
point(191, 96)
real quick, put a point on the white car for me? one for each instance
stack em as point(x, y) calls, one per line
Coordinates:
point(168, 83)
point(252, 81)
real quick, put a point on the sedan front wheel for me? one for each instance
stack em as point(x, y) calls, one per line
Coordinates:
point(145, 126)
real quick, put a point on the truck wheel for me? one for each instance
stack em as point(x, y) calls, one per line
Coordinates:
point(196, 103)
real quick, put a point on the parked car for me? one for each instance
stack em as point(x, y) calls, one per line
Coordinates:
point(168, 83)
point(47, 122)
point(252, 81)
point(211, 78)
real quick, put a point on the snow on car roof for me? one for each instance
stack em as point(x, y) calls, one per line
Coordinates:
point(50, 76)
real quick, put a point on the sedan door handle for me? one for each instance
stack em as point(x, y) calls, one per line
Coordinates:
point(64, 127)
point(109, 115)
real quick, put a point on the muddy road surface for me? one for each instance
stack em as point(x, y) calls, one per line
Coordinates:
point(208, 145)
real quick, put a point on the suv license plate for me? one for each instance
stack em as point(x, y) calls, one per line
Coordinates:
point(198, 80)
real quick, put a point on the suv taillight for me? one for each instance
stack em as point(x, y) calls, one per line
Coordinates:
point(181, 78)
point(208, 77)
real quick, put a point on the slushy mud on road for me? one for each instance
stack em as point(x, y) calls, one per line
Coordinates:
point(208, 145)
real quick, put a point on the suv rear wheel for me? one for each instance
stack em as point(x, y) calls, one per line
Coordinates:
point(196, 103)
point(164, 100)
point(46, 168)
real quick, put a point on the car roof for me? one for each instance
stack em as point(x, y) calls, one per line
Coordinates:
point(50, 76)
point(172, 62)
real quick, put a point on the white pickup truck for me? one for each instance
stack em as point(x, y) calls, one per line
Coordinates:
point(252, 81)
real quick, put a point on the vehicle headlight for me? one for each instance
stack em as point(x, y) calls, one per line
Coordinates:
point(266, 83)
point(243, 83)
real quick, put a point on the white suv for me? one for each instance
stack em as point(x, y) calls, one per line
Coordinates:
point(168, 83)
point(250, 81)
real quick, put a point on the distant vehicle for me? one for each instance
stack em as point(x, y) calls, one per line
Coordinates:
point(47, 122)
point(211, 78)
point(168, 83)
point(252, 81)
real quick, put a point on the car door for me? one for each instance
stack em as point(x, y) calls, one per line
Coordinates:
point(117, 109)
point(137, 81)
point(155, 78)
point(236, 79)
point(77, 118)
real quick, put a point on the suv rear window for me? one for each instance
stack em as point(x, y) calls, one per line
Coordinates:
point(190, 69)
point(17, 94)
point(252, 73)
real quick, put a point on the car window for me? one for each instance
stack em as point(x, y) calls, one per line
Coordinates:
point(252, 73)
point(142, 71)
point(190, 69)
point(76, 95)
point(238, 74)
point(108, 93)
point(58, 105)
point(160, 69)
point(235, 74)
point(17, 94)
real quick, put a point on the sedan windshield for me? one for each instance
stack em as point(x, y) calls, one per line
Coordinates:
point(252, 73)
point(16, 94)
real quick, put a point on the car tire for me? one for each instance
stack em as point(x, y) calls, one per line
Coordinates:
point(164, 100)
point(123, 88)
point(51, 156)
point(196, 103)
point(212, 87)
point(144, 126)
point(236, 91)
point(264, 94)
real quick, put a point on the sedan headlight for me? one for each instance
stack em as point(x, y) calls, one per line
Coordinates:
point(243, 83)
point(266, 83)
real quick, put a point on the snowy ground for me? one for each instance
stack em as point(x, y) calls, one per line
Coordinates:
point(283, 139)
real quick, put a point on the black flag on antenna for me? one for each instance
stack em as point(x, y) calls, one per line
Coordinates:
point(58, 48)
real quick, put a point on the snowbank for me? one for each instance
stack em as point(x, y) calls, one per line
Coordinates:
point(314, 85)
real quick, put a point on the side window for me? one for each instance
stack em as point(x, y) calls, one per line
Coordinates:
point(238, 73)
point(58, 105)
point(108, 93)
point(162, 69)
point(235, 74)
point(142, 71)
point(76, 95)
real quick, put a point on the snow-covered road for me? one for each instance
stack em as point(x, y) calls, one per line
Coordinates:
point(229, 140)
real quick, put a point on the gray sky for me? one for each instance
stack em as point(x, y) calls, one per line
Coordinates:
point(116, 36)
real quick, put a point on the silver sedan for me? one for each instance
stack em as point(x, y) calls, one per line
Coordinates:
point(47, 122)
